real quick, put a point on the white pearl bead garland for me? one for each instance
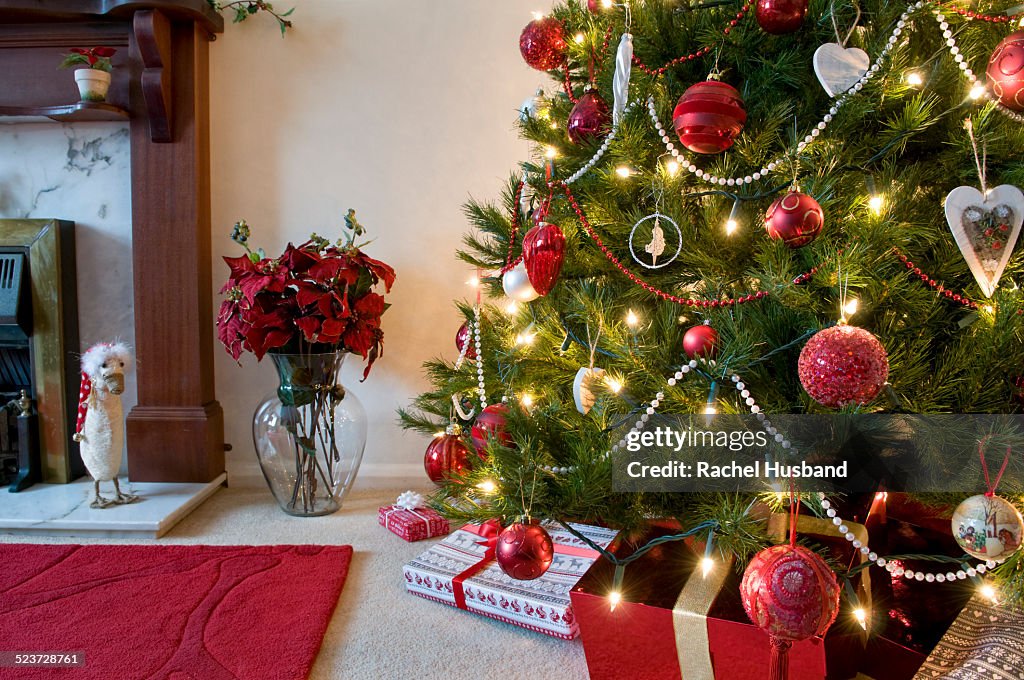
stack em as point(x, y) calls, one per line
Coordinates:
point(639, 424)
point(892, 567)
point(474, 327)
point(971, 78)
point(600, 152)
point(810, 137)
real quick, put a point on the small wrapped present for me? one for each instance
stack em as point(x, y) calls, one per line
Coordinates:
point(460, 571)
point(411, 519)
point(676, 623)
point(986, 642)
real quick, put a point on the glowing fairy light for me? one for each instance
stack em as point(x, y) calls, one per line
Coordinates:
point(851, 307)
point(623, 171)
point(914, 79)
point(876, 203)
point(977, 92)
point(613, 384)
point(861, 616)
point(706, 566)
point(632, 319)
point(487, 486)
point(614, 598)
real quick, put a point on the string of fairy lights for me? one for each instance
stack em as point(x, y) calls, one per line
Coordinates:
point(676, 162)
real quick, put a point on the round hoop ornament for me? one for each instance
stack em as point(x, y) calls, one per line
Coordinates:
point(655, 247)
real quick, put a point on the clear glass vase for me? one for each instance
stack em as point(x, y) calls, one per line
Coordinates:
point(309, 434)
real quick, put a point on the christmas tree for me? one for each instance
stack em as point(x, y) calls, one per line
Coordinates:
point(751, 210)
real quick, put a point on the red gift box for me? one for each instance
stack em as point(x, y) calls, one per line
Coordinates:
point(912, 616)
point(675, 624)
point(413, 525)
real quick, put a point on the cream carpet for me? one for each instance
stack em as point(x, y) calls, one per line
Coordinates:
point(378, 631)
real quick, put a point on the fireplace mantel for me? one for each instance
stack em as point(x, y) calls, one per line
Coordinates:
point(161, 80)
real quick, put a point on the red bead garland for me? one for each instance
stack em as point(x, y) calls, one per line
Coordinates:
point(511, 263)
point(514, 231)
point(964, 12)
point(693, 55)
point(916, 272)
point(689, 302)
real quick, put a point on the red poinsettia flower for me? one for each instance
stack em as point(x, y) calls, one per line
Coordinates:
point(363, 333)
point(315, 293)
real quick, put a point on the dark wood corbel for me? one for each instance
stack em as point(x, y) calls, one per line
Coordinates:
point(153, 37)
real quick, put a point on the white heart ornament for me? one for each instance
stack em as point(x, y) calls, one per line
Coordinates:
point(582, 388)
point(986, 227)
point(839, 68)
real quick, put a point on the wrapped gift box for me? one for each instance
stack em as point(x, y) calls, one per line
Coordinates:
point(460, 571)
point(674, 623)
point(912, 616)
point(413, 525)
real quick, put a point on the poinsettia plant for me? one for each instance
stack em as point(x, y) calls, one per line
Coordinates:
point(90, 57)
point(319, 296)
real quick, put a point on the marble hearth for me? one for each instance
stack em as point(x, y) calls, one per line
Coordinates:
point(63, 509)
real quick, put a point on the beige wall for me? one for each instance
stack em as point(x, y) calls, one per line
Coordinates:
point(398, 108)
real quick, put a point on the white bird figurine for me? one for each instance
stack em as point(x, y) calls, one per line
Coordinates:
point(100, 429)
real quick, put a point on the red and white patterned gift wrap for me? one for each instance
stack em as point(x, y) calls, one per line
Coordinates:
point(412, 525)
point(460, 571)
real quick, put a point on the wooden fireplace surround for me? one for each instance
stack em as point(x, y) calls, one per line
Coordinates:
point(161, 86)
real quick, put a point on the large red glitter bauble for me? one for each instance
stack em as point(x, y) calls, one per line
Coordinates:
point(446, 455)
point(709, 116)
point(464, 339)
point(524, 551)
point(790, 593)
point(1006, 71)
point(795, 218)
point(701, 341)
point(542, 43)
point(590, 118)
point(780, 16)
point(843, 365)
point(543, 254)
point(491, 422)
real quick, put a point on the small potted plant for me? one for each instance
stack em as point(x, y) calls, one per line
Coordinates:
point(94, 77)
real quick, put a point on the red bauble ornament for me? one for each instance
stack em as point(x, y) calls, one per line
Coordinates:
point(490, 423)
point(524, 551)
point(709, 116)
point(843, 365)
point(780, 16)
point(543, 254)
point(790, 593)
point(795, 218)
point(543, 43)
point(464, 339)
point(446, 455)
point(701, 342)
point(1006, 71)
point(594, 6)
point(589, 119)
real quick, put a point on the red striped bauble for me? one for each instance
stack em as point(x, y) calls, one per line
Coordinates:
point(709, 116)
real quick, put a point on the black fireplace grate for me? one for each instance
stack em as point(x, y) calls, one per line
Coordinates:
point(15, 369)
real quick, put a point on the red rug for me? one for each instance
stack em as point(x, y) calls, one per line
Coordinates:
point(170, 612)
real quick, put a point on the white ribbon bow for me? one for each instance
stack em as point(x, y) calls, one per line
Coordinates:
point(409, 500)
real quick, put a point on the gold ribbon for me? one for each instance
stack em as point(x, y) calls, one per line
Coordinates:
point(690, 621)
point(778, 528)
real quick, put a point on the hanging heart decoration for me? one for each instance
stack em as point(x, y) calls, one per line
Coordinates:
point(839, 68)
point(986, 227)
point(543, 254)
point(583, 388)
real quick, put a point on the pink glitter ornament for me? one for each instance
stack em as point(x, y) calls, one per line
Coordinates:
point(790, 593)
point(843, 365)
